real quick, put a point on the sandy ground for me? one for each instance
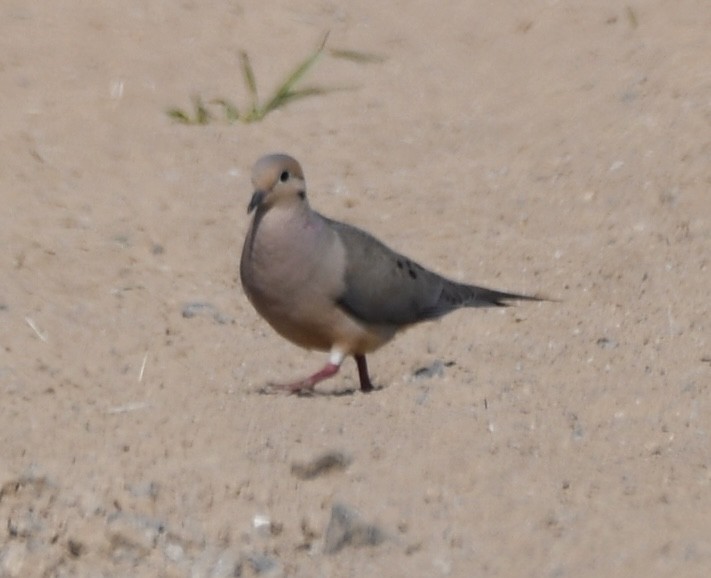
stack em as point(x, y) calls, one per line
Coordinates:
point(538, 146)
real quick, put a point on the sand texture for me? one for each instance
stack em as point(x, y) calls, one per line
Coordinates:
point(543, 146)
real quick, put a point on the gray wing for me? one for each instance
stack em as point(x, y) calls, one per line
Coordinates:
point(386, 288)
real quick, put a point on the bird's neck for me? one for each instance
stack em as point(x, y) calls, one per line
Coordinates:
point(279, 224)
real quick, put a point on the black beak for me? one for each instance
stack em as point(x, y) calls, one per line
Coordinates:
point(255, 201)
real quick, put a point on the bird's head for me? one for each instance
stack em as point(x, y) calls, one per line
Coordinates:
point(277, 179)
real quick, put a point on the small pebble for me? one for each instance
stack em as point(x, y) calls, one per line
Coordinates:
point(195, 308)
point(434, 369)
point(345, 528)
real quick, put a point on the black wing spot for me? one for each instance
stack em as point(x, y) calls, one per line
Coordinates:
point(412, 273)
point(399, 264)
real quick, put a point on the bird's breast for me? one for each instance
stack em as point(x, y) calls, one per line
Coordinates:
point(292, 270)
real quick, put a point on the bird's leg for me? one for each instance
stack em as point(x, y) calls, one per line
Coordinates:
point(307, 384)
point(365, 385)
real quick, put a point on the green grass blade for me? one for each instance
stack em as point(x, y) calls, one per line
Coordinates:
point(281, 96)
point(632, 17)
point(178, 115)
point(249, 79)
point(284, 98)
point(288, 97)
point(229, 108)
point(356, 56)
point(202, 115)
point(310, 91)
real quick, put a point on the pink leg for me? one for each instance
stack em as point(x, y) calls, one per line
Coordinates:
point(308, 384)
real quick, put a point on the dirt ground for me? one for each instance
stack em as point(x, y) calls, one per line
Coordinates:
point(543, 146)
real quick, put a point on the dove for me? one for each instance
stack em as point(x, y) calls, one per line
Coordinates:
point(329, 286)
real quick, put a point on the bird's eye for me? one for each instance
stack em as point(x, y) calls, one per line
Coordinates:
point(284, 176)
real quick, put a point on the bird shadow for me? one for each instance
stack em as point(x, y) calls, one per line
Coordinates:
point(275, 389)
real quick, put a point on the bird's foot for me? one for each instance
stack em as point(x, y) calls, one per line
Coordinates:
point(306, 386)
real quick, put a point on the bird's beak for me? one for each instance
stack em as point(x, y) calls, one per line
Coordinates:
point(255, 201)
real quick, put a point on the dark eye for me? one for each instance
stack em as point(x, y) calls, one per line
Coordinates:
point(284, 176)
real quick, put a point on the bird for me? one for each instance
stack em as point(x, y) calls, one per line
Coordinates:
point(329, 286)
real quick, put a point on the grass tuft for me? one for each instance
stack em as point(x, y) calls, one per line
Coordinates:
point(287, 92)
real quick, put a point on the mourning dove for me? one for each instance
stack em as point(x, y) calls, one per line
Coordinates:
point(329, 286)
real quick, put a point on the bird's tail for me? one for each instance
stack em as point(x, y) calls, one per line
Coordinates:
point(461, 295)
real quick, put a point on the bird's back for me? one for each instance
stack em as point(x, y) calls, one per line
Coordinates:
point(385, 287)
